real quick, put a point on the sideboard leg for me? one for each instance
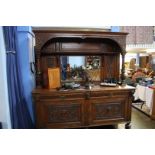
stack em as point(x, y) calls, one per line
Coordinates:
point(128, 125)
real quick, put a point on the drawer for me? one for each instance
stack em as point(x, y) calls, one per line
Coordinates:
point(61, 96)
point(100, 94)
point(109, 94)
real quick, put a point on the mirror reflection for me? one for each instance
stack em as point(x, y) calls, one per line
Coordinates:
point(80, 68)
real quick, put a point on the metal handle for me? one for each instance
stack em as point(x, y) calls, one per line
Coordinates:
point(32, 67)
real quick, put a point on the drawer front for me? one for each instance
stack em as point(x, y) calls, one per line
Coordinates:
point(100, 94)
point(107, 111)
point(109, 94)
point(61, 96)
point(60, 114)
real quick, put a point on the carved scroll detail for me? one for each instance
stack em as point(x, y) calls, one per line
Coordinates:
point(64, 113)
point(109, 110)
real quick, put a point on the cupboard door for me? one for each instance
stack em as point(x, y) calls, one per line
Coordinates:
point(61, 113)
point(107, 111)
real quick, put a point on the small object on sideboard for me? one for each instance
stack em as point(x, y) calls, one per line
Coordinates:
point(54, 77)
point(108, 84)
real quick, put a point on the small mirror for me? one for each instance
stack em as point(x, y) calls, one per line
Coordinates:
point(78, 68)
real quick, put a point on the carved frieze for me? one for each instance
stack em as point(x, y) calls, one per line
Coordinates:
point(64, 113)
point(109, 110)
point(44, 37)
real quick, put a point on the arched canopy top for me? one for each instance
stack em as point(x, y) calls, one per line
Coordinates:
point(82, 46)
point(71, 42)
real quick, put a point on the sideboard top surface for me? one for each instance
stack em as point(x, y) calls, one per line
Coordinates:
point(93, 89)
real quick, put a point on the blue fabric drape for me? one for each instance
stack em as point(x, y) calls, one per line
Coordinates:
point(20, 116)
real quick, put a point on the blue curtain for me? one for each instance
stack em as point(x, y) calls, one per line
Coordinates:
point(20, 116)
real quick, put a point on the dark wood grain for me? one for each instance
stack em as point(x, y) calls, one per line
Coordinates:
point(80, 108)
point(98, 106)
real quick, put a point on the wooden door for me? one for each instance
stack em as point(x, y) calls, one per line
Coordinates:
point(107, 110)
point(60, 113)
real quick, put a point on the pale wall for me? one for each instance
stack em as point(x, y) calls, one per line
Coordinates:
point(4, 104)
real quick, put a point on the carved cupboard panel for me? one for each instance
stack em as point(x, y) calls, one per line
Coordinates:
point(59, 113)
point(107, 109)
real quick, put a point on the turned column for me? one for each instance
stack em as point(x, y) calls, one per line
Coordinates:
point(123, 66)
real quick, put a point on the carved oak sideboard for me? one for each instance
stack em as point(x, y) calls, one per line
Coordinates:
point(81, 107)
